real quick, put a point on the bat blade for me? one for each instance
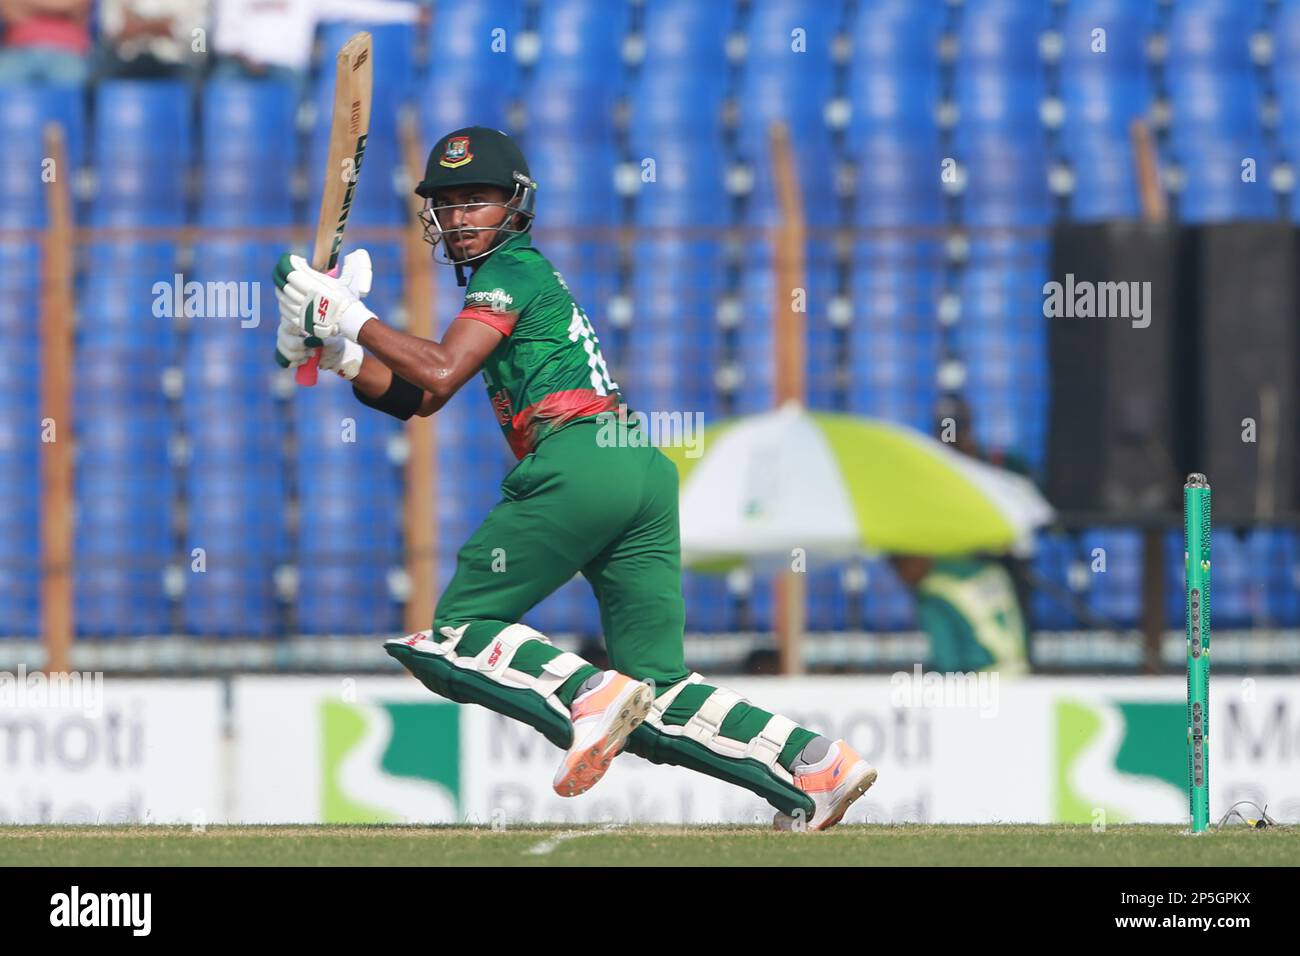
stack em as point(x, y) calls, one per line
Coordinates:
point(349, 127)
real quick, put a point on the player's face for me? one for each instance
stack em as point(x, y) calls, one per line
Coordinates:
point(469, 217)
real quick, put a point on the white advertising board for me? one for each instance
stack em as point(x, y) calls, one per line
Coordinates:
point(133, 751)
point(1036, 750)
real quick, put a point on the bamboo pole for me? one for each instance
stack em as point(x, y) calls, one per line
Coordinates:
point(57, 627)
point(790, 597)
point(421, 464)
point(1147, 163)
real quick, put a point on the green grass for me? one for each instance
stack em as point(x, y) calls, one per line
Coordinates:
point(859, 845)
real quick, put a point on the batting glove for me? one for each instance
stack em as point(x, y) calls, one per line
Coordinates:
point(318, 304)
point(293, 348)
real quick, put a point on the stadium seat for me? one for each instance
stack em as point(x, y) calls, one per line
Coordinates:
point(131, 116)
point(247, 163)
point(468, 82)
point(1116, 594)
point(894, 70)
point(393, 69)
point(889, 604)
point(1213, 189)
point(577, 76)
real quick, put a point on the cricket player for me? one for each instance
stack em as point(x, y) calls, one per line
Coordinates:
point(573, 504)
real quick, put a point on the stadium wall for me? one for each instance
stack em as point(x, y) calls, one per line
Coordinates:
point(380, 749)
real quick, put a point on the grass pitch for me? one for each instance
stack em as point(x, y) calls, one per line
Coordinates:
point(611, 845)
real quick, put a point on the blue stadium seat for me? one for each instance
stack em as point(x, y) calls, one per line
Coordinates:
point(687, 190)
point(24, 165)
point(249, 121)
point(683, 110)
point(1115, 595)
point(578, 70)
point(681, 35)
point(894, 70)
point(1214, 190)
point(454, 98)
point(468, 82)
point(581, 40)
point(708, 604)
point(827, 601)
point(1102, 92)
point(1105, 183)
point(1212, 36)
point(394, 56)
point(1282, 556)
point(889, 604)
point(575, 186)
point(133, 116)
point(19, 593)
point(20, 258)
point(898, 184)
point(231, 598)
point(350, 507)
point(787, 76)
point(121, 595)
point(247, 162)
point(1006, 184)
point(1052, 559)
point(123, 534)
point(670, 347)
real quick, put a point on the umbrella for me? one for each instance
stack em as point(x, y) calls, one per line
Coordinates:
point(839, 486)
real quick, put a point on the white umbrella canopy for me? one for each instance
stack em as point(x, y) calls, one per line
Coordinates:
point(838, 486)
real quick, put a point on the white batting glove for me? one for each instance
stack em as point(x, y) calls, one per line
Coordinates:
point(342, 355)
point(291, 348)
point(338, 354)
point(357, 273)
point(318, 304)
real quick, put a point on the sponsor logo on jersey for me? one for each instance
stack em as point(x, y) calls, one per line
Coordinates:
point(498, 299)
point(504, 410)
point(456, 153)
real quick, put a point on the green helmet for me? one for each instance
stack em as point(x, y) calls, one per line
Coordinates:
point(470, 156)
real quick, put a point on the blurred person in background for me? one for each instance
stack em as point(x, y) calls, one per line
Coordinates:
point(969, 606)
point(153, 38)
point(45, 41)
point(254, 38)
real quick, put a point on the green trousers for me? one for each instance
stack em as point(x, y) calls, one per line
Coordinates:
point(583, 504)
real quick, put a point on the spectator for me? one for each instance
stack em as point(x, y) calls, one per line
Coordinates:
point(146, 38)
point(255, 39)
point(45, 41)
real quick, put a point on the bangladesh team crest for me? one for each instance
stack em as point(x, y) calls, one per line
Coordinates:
point(457, 152)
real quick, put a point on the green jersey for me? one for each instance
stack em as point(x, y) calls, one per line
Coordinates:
point(547, 371)
point(969, 608)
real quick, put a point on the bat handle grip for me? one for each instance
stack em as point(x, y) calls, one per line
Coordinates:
point(306, 374)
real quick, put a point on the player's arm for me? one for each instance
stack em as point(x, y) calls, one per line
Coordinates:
point(404, 370)
point(406, 374)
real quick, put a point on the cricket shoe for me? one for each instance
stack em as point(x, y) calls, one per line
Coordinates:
point(833, 782)
point(603, 718)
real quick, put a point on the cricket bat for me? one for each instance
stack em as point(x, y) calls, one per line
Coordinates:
point(349, 126)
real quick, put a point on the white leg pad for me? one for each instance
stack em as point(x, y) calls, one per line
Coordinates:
point(494, 660)
point(704, 727)
point(665, 700)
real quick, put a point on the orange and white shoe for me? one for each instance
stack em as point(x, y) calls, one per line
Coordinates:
point(834, 782)
point(603, 718)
